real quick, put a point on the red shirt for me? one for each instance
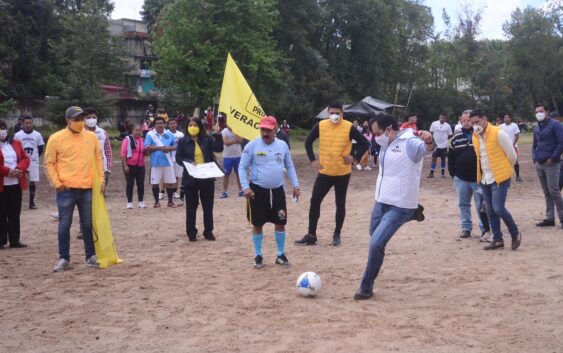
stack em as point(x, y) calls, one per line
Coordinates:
point(407, 125)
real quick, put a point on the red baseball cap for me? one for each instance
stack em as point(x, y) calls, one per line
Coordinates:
point(268, 122)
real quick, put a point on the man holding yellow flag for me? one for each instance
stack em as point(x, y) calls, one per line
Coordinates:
point(69, 158)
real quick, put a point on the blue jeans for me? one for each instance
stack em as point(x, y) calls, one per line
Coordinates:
point(495, 198)
point(465, 190)
point(385, 221)
point(66, 200)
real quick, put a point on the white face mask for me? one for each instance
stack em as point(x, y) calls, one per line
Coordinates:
point(334, 118)
point(91, 122)
point(382, 140)
point(477, 129)
point(540, 116)
point(3, 135)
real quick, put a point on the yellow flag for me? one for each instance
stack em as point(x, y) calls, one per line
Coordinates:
point(239, 103)
point(103, 237)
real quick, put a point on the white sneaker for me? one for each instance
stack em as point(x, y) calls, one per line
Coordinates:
point(55, 215)
point(358, 167)
point(176, 195)
point(487, 237)
point(368, 168)
point(92, 261)
point(142, 204)
point(180, 203)
point(129, 205)
point(61, 265)
point(161, 196)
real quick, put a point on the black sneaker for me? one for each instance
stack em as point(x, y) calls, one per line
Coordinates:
point(361, 295)
point(32, 206)
point(431, 175)
point(546, 223)
point(258, 262)
point(336, 239)
point(308, 239)
point(494, 245)
point(465, 234)
point(282, 260)
point(516, 241)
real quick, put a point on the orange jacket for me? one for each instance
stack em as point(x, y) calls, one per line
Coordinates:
point(23, 164)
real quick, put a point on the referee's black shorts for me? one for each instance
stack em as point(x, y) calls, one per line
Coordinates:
point(440, 152)
point(268, 205)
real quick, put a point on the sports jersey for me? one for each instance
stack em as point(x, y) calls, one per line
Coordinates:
point(441, 132)
point(30, 143)
point(511, 130)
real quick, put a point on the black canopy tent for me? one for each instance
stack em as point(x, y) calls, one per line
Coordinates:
point(364, 109)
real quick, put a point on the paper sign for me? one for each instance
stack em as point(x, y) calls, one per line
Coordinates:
point(204, 171)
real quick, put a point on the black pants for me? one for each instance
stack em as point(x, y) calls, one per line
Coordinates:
point(135, 174)
point(196, 190)
point(322, 186)
point(10, 210)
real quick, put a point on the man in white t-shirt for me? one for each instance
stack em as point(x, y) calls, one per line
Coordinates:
point(441, 131)
point(178, 169)
point(231, 159)
point(513, 131)
point(33, 144)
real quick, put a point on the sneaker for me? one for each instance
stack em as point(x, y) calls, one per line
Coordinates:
point(142, 204)
point(546, 223)
point(282, 260)
point(171, 204)
point(32, 206)
point(336, 239)
point(258, 262)
point(362, 295)
point(516, 241)
point(241, 193)
point(129, 205)
point(465, 234)
point(308, 239)
point(367, 168)
point(486, 237)
point(358, 167)
point(176, 195)
point(518, 179)
point(156, 205)
point(180, 203)
point(55, 215)
point(92, 261)
point(223, 195)
point(431, 175)
point(161, 196)
point(494, 245)
point(61, 265)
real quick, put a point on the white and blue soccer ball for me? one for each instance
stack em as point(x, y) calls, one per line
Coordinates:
point(309, 284)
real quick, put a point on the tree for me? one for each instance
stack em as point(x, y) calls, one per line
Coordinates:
point(151, 11)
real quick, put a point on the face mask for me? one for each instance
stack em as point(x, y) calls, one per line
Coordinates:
point(382, 140)
point(91, 122)
point(3, 135)
point(477, 129)
point(540, 116)
point(193, 130)
point(77, 126)
point(334, 118)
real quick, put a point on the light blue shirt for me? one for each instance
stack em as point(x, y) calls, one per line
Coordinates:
point(267, 163)
point(158, 158)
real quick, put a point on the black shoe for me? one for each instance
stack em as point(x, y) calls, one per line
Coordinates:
point(1, 247)
point(361, 295)
point(516, 241)
point(209, 237)
point(282, 260)
point(431, 175)
point(546, 223)
point(494, 245)
point(258, 262)
point(465, 234)
point(18, 245)
point(336, 239)
point(308, 239)
point(192, 237)
point(32, 206)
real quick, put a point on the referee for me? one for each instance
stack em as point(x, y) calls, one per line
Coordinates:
point(267, 157)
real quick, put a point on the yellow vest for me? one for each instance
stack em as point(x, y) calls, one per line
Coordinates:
point(334, 145)
point(500, 165)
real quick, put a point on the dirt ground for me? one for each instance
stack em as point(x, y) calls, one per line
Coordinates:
point(435, 293)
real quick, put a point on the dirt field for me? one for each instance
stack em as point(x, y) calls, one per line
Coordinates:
point(434, 294)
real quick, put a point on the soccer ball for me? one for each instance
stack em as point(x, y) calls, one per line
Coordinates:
point(309, 284)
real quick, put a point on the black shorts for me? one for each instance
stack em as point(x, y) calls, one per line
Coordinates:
point(440, 152)
point(268, 205)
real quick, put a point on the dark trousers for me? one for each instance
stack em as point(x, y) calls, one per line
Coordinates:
point(136, 174)
point(322, 186)
point(196, 190)
point(10, 210)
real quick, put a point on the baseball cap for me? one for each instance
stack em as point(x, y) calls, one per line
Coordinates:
point(73, 112)
point(268, 122)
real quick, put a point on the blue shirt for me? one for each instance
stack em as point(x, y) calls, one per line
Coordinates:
point(158, 158)
point(267, 163)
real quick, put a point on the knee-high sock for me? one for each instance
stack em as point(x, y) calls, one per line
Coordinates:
point(155, 192)
point(443, 165)
point(32, 192)
point(280, 242)
point(257, 241)
point(433, 166)
point(170, 192)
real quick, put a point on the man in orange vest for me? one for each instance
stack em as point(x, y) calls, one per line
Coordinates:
point(335, 167)
point(495, 161)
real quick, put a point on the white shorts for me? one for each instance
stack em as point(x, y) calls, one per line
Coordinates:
point(162, 174)
point(178, 170)
point(33, 173)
